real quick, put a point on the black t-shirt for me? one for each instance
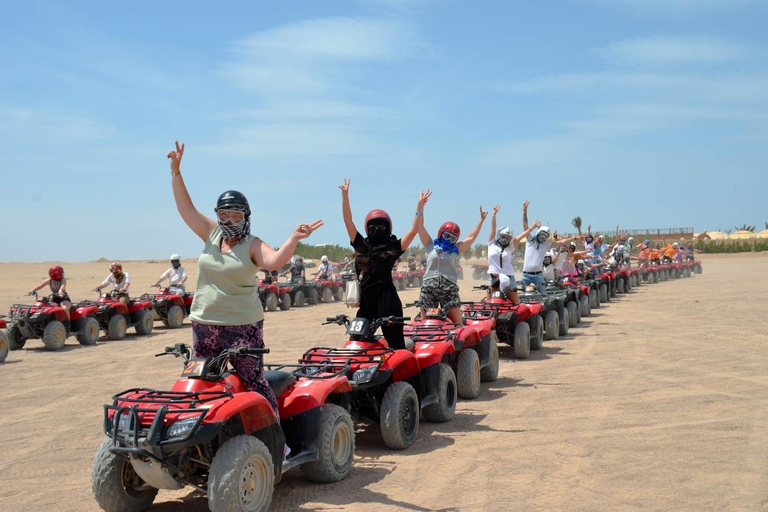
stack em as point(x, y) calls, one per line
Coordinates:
point(296, 270)
point(381, 257)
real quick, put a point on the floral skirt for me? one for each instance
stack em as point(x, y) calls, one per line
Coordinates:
point(209, 340)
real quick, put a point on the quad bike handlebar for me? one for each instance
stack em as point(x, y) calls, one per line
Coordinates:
point(387, 320)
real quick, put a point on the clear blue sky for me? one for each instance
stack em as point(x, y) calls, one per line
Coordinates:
point(643, 113)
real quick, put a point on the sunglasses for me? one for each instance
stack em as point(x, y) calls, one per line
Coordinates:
point(450, 236)
point(234, 216)
point(375, 228)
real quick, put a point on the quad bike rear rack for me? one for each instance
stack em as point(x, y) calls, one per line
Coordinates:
point(350, 356)
point(325, 370)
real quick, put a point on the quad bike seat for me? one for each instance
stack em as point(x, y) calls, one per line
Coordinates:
point(279, 381)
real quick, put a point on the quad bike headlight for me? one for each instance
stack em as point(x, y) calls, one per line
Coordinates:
point(364, 375)
point(181, 428)
point(124, 423)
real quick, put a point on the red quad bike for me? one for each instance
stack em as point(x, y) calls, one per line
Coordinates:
point(400, 279)
point(115, 317)
point(388, 386)
point(169, 307)
point(330, 291)
point(48, 321)
point(469, 351)
point(520, 325)
point(635, 276)
point(415, 276)
point(274, 295)
point(585, 306)
point(211, 433)
point(4, 348)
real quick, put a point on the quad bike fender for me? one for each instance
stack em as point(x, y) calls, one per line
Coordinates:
point(138, 305)
point(432, 352)
point(83, 311)
point(403, 365)
point(536, 308)
point(254, 410)
point(483, 327)
point(308, 394)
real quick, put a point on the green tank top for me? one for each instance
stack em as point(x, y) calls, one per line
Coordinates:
point(227, 292)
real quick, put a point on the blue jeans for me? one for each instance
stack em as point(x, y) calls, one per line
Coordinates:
point(535, 279)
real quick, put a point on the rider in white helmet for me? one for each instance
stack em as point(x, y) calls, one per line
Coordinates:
point(501, 248)
point(325, 270)
point(177, 276)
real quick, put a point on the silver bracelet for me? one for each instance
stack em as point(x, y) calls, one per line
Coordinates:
point(174, 174)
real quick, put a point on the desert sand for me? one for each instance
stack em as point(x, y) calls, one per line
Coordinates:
point(659, 401)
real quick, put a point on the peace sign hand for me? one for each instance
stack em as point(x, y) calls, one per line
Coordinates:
point(344, 187)
point(483, 214)
point(304, 230)
point(424, 197)
point(496, 209)
point(175, 157)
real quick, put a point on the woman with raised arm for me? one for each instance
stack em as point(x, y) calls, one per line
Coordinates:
point(501, 268)
point(440, 288)
point(375, 255)
point(226, 311)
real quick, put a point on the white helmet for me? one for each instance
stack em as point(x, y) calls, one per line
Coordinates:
point(545, 229)
point(675, 244)
point(324, 259)
point(175, 257)
point(631, 240)
point(505, 232)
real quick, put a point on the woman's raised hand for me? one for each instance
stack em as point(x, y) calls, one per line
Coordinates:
point(537, 224)
point(496, 209)
point(483, 214)
point(304, 230)
point(424, 197)
point(175, 157)
point(344, 187)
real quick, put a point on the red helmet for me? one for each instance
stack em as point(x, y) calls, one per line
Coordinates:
point(378, 215)
point(449, 227)
point(56, 272)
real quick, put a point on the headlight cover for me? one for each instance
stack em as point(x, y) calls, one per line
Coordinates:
point(364, 375)
point(182, 427)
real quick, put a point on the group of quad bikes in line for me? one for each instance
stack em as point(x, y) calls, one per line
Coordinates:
point(210, 433)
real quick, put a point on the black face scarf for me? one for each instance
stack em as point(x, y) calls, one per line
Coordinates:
point(175, 264)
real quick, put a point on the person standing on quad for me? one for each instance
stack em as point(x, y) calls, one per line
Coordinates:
point(501, 263)
point(58, 285)
point(440, 288)
point(176, 275)
point(571, 261)
point(226, 311)
point(536, 247)
point(325, 270)
point(119, 280)
point(375, 255)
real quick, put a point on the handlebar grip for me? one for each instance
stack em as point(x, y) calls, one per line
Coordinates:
point(331, 319)
point(252, 350)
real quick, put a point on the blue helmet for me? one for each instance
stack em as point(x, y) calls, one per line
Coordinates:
point(648, 242)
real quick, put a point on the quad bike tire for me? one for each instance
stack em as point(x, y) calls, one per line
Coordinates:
point(416, 281)
point(468, 374)
point(113, 482)
point(620, 286)
point(336, 446)
point(175, 317)
point(564, 322)
point(699, 269)
point(536, 325)
point(445, 407)
point(90, 332)
point(313, 296)
point(687, 272)
point(146, 322)
point(604, 292)
point(552, 325)
point(593, 299)
point(242, 464)
point(522, 342)
point(338, 293)
point(285, 302)
point(298, 299)
point(15, 340)
point(54, 335)
point(584, 306)
point(491, 372)
point(271, 302)
point(117, 328)
point(573, 313)
point(399, 416)
point(401, 284)
point(327, 295)
point(4, 346)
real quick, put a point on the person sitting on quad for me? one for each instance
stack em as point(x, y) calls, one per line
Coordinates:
point(548, 270)
point(120, 282)
point(690, 252)
point(669, 252)
point(536, 247)
point(645, 252)
point(176, 275)
point(226, 311)
point(270, 276)
point(571, 261)
point(58, 285)
point(411, 262)
point(298, 274)
point(440, 288)
point(374, 257)
point(656, 254)
point(501, 264)
point(325, 270)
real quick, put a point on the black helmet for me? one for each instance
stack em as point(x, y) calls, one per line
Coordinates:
point(232, 198)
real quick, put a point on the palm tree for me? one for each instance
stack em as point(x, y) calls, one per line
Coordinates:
point(745, 227)
point(577, 223)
